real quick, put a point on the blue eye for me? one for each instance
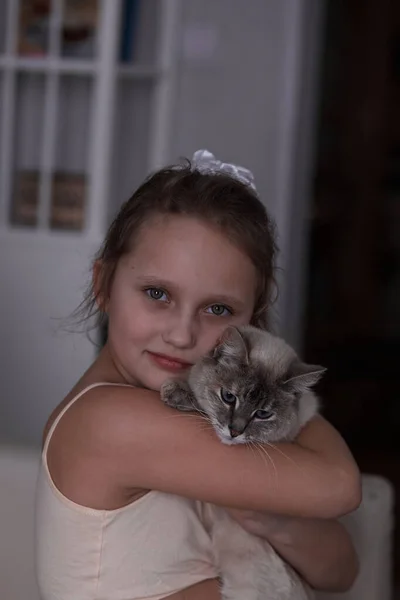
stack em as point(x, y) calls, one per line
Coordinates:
point(227, 397)
point(219, 310)
point(156, 294)
point(263, 414)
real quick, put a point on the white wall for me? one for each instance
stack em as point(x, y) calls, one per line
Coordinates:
point(41, 285)
point(231, 103)
point(253, 102)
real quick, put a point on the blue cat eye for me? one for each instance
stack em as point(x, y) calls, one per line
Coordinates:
point(227, 397)
point(263, 414)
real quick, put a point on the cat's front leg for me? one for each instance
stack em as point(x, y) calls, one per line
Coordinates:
point(249, 567)
point(240, 558)
point(176, 393)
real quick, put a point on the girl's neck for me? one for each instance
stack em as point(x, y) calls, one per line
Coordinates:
point(106, 368)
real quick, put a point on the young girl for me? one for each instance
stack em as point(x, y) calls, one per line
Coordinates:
point(123, 477)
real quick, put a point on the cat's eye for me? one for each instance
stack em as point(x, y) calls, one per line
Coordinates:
point(227, 397)
point(263, 414)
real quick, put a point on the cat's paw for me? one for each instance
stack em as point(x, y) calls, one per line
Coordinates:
point(177, 394)
point(169, 392)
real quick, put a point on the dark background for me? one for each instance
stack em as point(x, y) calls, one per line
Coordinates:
point(353, 289)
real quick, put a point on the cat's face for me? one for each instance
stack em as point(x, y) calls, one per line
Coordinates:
point(251, 386)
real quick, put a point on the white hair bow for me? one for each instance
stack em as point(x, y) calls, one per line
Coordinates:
point(205, 162)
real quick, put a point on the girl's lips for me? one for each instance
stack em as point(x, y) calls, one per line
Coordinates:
point(169, 363)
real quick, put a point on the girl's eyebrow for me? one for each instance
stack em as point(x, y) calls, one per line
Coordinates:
point(156, 281)
point(215, 298)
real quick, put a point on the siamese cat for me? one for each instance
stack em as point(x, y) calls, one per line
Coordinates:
point(255, 390)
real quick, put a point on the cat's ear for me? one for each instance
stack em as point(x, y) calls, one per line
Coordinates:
point(231, 347)
point(302, 376)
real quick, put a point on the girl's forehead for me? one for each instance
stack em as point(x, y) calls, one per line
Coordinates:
point(184, 247)
point(165, 237)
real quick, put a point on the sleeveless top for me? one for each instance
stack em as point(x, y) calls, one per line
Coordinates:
point(149, 549)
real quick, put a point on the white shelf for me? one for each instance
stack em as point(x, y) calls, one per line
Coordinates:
point(141, 91)
point(138, 72)
point(66, 66)
point(48, 65)
point(20, 234)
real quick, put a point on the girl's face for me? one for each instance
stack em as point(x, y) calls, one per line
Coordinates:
point(173, 296)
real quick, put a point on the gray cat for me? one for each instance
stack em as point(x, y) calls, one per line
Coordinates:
point(253, 388)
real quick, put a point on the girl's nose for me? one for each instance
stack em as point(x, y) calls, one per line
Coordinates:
point(180, 332)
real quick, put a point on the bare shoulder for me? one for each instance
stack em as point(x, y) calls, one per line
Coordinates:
point(88, 439)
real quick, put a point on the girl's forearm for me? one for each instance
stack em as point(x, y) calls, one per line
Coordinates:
point(321, 551)
point(334, 463)
point(314, 477)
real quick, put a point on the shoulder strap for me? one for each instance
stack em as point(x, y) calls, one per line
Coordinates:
point(74, 399)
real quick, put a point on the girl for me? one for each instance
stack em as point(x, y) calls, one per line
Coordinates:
point(123, 477)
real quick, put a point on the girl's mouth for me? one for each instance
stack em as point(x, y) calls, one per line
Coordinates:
point(169, 363)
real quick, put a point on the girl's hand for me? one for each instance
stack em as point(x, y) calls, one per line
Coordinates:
point(321, 551)
point(259, 523)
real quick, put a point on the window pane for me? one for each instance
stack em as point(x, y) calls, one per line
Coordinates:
point(73, 133)
point(1, 107)
point(139, 31)
point(33, 27)
point(3, 21)
point(131, 139)
point(79, 28)
point(28, 136)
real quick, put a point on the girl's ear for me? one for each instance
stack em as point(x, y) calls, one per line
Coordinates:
point(99, 287)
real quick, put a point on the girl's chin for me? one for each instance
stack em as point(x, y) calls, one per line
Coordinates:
point(153, 378)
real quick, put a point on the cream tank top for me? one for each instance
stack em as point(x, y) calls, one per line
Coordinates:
point(149, 549)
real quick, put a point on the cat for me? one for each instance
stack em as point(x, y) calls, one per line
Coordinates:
point(254, 389)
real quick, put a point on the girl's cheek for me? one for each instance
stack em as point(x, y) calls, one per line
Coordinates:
point(212, 336)
point(212, 332)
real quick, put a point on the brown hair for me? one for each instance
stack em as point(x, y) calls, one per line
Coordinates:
point(217, 199)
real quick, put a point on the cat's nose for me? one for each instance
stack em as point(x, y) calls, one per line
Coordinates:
point(234, 432)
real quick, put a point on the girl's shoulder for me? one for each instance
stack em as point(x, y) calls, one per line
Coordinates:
point(92, 398)
point(77, 437)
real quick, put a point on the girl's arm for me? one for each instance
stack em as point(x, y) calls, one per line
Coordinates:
point(321, 551)
point(140, 443)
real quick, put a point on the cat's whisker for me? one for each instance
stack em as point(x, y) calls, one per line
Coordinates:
point(284, 455)
point(204, 424)
point(194, 413)
point(272, 462)
point(253, 448)
point(185, 415)
point(207, 429)
point(196, 416)
point(256, 451)
point(263, 452)
point(267, 460)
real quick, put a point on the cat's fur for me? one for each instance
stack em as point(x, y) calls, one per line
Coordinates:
point(263, 373)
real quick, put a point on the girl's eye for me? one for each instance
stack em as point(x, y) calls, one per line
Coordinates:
point(219, 310)
point(263, 414)
point(227, 397)
point(156, 294)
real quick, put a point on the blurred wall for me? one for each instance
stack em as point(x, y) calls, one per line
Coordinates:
point(253, 101)
point(245, 90)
